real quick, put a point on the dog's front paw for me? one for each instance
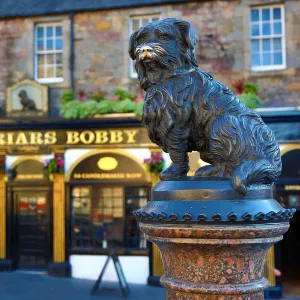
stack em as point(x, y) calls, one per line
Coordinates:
point(174, 171)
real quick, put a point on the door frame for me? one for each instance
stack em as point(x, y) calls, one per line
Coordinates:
point(12, 217)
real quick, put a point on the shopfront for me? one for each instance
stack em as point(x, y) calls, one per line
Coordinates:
point(56, 222)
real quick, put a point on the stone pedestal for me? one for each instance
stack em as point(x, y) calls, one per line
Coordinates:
point(213, 241)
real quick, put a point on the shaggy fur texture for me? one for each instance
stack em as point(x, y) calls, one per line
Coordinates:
point(186, 110)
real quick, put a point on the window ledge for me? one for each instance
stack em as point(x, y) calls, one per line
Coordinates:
point(268, 73)
point(50, 80)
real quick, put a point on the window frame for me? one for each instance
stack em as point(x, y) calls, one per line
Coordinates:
point(37, 52)
point(132, 71)
point(261, 37)
point(90, 226)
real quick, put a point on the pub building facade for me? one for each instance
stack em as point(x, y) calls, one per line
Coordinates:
point(68, 222)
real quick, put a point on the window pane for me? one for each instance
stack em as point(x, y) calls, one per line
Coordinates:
point(255, 60)
point(266, 45)
point(254, 15)
point(58, 44)
point(277, 44)
point(266, 59)
point(40, 45)
point(58, 58)
point(145, 21)
point(49, 44)
point(276, 13)
point(135, 25)
point(50, 72)
point(255, 30)
point(59, 72)
point(40, 32)
point(58, 31)
point(278, 58)
point(49, 31)
point(41, 59)
point(50, 59)
point(255, 45)
point(266, 14)
point(41, 73)
point(277, 28)
point(266, 29)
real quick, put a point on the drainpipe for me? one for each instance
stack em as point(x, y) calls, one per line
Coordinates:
point(72, 55)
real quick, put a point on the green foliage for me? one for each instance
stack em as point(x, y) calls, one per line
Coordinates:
point(155, 163)
point(75, 109)
point(124, 106)
point(250, 88)
point(71, 110)
point(67, 96)
point(105, 107)
point(54, 165)
point(139, 108)
point(123, 94)
point(88, 108)
point(99, 96)
point(251, 100)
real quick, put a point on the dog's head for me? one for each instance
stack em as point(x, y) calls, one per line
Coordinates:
point(162, 49)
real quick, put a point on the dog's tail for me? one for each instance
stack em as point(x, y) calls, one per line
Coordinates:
point(258, 172)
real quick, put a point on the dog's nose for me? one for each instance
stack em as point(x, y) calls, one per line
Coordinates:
point(146, 49)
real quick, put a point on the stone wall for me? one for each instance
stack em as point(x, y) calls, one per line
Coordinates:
point(101, 43)
point(223, 47)
point(14, 54)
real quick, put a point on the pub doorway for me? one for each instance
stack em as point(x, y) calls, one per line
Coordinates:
point(29, 204)
point(32, 227)
point(290, 245)
point(287, 193)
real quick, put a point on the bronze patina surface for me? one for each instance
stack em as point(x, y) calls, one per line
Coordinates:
point(213, 229)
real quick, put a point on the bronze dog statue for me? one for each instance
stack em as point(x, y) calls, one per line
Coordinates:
point(186, 109)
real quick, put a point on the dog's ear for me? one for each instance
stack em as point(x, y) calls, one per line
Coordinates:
point(132, 45)
point(188, 33)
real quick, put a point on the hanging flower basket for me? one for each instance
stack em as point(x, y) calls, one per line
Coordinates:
point(155, 163)
point(54, 166)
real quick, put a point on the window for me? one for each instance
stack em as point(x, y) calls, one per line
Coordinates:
point(267, 38)
point(48, 53)
point(99, 219)
point(135, 23)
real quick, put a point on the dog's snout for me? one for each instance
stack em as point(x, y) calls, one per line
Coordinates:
point(146, 49)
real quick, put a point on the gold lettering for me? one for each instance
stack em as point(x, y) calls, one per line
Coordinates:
point(36, 138)
point(21, 139)
point(87, 137)
point(292, 187)
point(50, 138)
point(10, 138)
point(116, 136)
point(72, 137)
point(101, 137)
point(134, 175)
point(130, 134)
point(2, 139)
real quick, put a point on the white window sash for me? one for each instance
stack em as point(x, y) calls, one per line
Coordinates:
point(272, 36)
point(46, 52)
point(133, 73)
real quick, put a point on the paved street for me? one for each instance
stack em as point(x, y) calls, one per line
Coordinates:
point(21, 286)
point(29, 286)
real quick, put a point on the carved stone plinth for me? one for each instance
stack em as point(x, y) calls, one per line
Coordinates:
point(212, 240)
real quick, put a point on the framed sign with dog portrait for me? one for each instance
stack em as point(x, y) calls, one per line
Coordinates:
point(27, 98)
